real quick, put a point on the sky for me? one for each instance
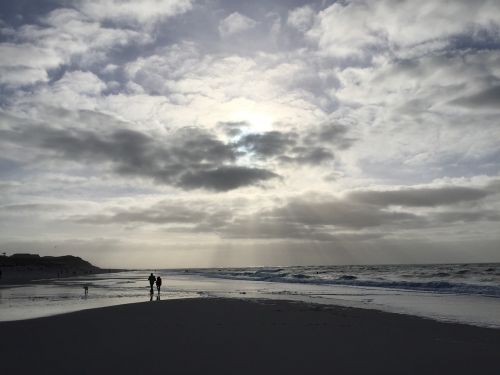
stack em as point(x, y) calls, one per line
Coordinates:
point(214, 133)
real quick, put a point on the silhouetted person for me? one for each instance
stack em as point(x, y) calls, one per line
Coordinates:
point(152, 280)
point(158, 284)
point(86, 290)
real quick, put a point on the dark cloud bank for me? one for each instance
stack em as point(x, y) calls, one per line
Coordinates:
point(311, 147)
point(359, 216)
point(423, 197)
point(189, 159)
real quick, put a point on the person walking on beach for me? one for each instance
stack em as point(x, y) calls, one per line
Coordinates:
point(152, 280)
point(158, 284)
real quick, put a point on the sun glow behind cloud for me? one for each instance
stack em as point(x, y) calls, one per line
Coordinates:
point(257, 122)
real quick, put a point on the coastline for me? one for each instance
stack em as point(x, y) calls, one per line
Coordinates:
point(244, 336)
point(24, 268)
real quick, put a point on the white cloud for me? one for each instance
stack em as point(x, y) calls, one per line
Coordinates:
point(301, 18)
point(360, 27)
point(84, 83)
point(75, 90)
point(144, 11)
point(222, 86)
point(235, 23)
point(22, 64)
point(21, 76)
point(275, 19)
point(65, 36)
point(27, 55)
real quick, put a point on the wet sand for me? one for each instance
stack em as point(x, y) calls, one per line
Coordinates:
point(28, 275)
point(226, 336)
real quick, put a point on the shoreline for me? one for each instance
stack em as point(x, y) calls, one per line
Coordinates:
point(218, 335)
point(24, 277)
point(24, 303)
point(265, 301)
point(315, 305)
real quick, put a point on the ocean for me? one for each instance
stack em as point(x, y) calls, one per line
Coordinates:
point(472, 279)
point(462, 293)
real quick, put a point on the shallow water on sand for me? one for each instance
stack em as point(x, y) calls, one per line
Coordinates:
point(56, 296)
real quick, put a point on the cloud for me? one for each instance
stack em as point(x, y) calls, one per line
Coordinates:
point(225, 178)
point(123, 11)
point(488, 98)
point(331, 211)
point(308, 155)
point(63, 36)
point(401, 106)
point(360, 215)
point(260, 90)
point(85, 83)
point(283, 231)
point(23, 64)
point(232, 128)
point(162, 213)
point(466, 216)
point(69, 32)
point(301, 18)
point(332, 134)
point(306, 220)
point(189, 158)
point(290, 146)
point(235, 23)
point(285, 147)
point(420, 197)
point(360, 28)
point(21, 76)
point(258, 228)
point(33, 207)
point(267, 144)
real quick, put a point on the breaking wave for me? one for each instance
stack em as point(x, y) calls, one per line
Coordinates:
point(471, 279)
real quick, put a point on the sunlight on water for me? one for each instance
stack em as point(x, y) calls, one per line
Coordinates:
point(56, 296)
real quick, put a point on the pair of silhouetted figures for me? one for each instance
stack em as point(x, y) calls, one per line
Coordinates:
point(152, 280)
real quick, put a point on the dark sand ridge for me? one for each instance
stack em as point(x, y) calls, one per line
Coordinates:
point(226, 336)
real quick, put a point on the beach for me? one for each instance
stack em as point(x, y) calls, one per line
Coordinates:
point(237, 336)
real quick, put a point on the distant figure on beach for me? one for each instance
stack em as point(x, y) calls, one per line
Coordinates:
point(86, 290)
point(158, 284)
point(152, 280)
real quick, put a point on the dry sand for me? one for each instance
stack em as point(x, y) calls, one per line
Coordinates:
point(223, 336)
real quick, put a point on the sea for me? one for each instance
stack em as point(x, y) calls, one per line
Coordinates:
point(459, 293)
